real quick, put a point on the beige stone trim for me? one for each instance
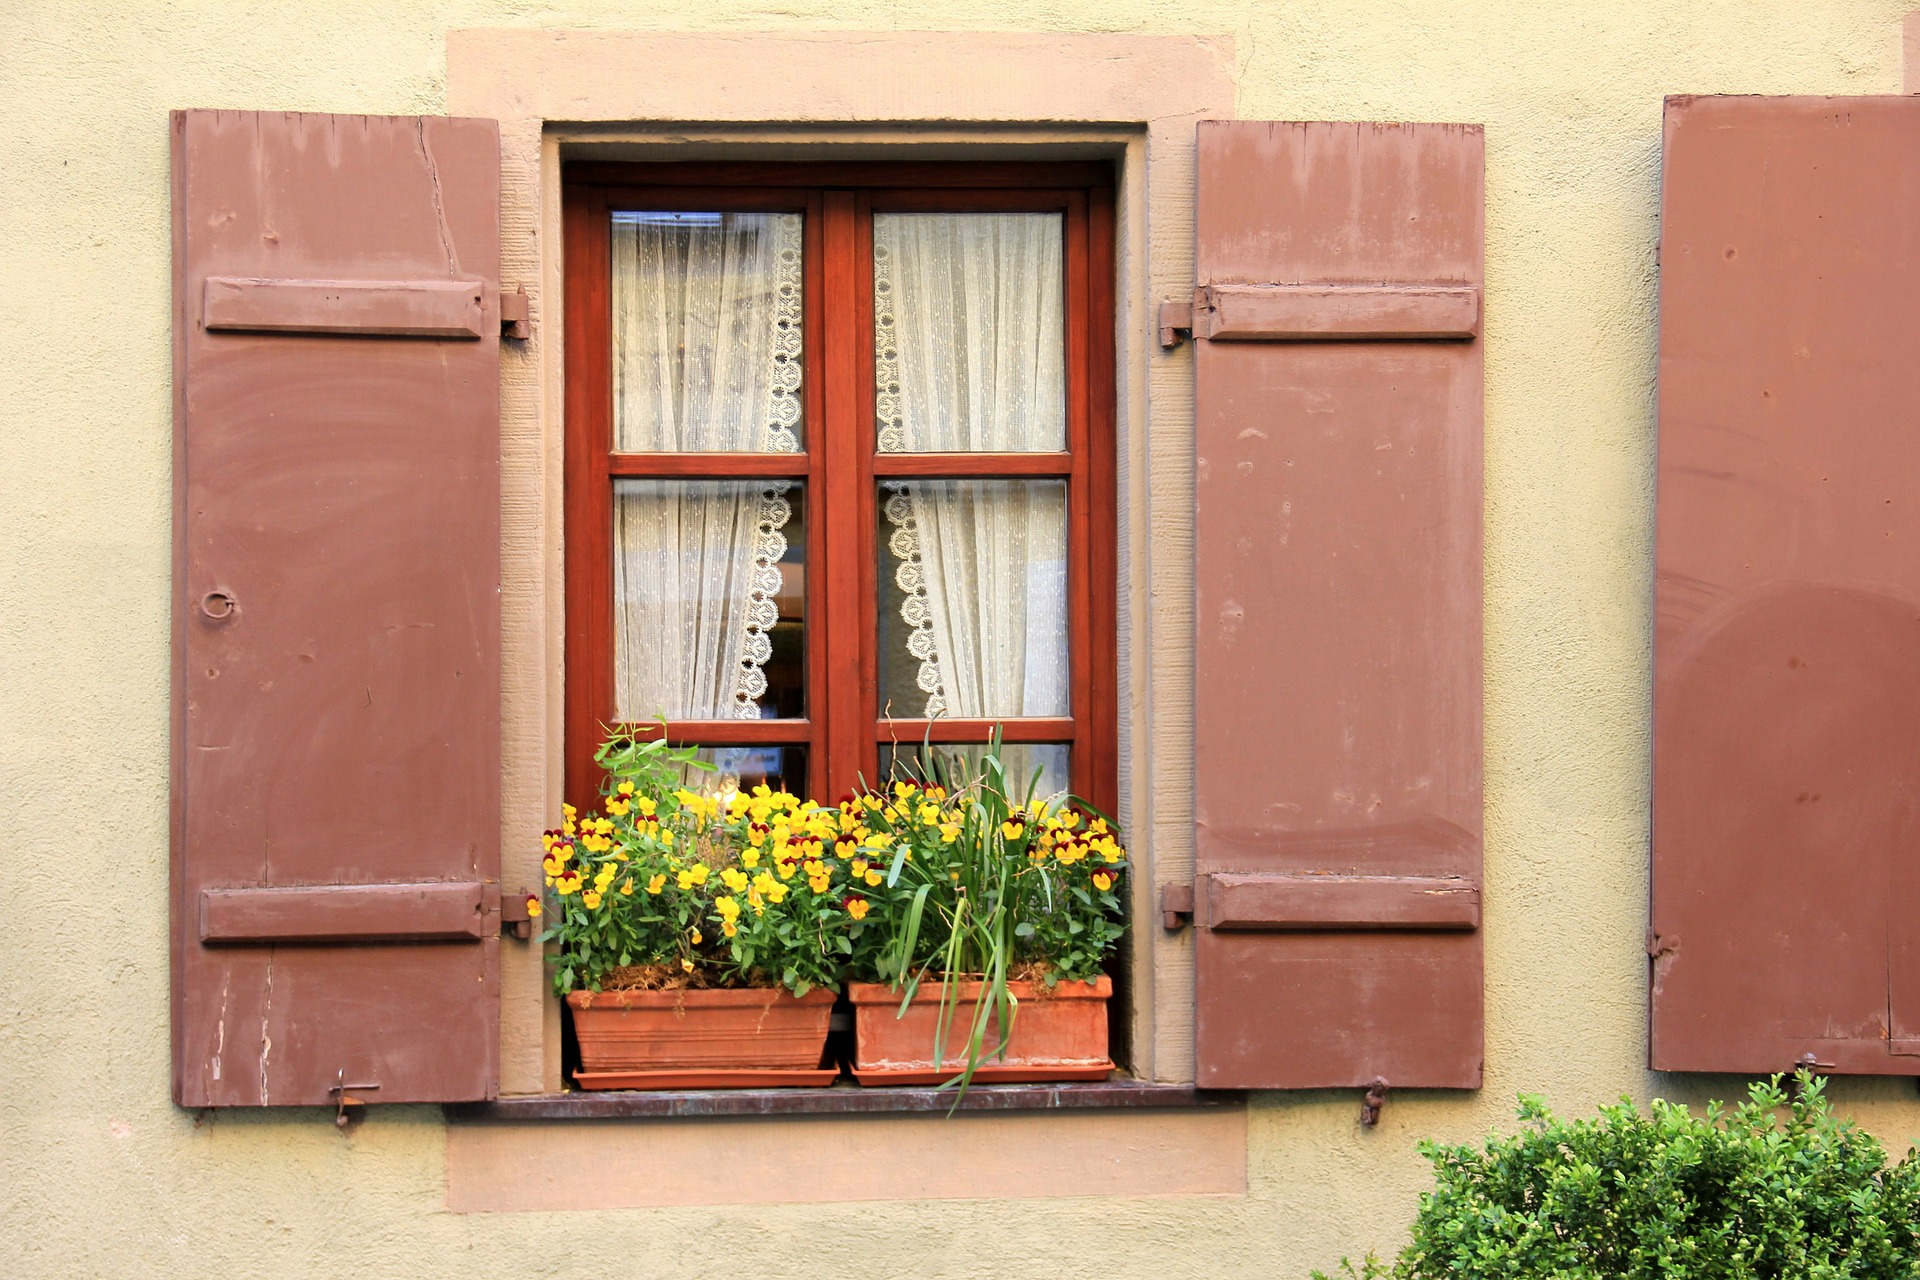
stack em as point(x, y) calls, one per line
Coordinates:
point(853, 95)
point(505, 1167)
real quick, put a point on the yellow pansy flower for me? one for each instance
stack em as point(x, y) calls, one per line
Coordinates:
point(1013, 829)
point(657, 883)
point(1102, 881)
point(874, 877)
point(695, 937)
point(533, 906)
point(566, 882)
point(734, 879)
point(857, 908)
point(590, 899)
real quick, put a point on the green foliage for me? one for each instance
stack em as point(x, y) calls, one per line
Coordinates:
point(1741, 1193)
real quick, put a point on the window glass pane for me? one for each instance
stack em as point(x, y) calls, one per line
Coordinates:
point(709, 592)
point(973, 598)
point(969, 334)
point(1020, 760)
point(706, 332)
point(781, 768)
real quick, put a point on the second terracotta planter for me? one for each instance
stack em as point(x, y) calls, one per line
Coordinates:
point(721, 1039)
point(1058, 1034)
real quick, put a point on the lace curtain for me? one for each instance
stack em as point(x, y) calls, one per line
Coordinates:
point(706, 356)
point(969, 336)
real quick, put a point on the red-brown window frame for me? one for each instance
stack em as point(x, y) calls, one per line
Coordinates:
point(840, 454)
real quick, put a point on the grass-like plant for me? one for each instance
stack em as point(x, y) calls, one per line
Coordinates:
point(985, 881)
point(1775, 1188)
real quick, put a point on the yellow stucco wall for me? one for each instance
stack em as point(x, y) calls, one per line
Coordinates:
point(100, 1175)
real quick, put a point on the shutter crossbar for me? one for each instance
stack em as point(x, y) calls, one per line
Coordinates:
point(1306, 902)
point(377, 308)
point(459, 911)
point(1336, 312)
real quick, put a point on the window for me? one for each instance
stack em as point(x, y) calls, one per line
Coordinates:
point(840, 467)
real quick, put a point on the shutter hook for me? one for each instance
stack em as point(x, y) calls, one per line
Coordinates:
point(218, 605)
point(341, 1116)
point(1805, 1067)
point(1374, 1099)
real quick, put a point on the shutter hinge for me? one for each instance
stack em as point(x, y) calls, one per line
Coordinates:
point(515, 919)
point(1176, 321)
point(1176, 905)
point(516, 316)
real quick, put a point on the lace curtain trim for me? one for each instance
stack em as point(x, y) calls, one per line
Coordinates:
point(911, 575)
point(783, 410)
point(905, 540)
point(783, 419)
point(886, 349)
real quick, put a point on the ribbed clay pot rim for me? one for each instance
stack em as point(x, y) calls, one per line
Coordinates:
point(1100, 988)
point(696, 997)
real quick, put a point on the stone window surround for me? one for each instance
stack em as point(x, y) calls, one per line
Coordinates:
point(636, 95)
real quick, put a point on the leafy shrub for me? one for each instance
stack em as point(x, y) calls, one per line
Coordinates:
point(1735, 1194)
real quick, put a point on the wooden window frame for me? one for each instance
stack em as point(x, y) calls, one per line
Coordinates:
point(843, 733)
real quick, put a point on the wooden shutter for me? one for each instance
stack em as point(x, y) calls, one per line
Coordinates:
point(1786, 820)
point(336, 648)
point(1337, 557)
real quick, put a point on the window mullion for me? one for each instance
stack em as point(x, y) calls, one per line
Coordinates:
point(841, 505)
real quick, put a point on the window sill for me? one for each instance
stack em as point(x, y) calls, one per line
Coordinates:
point(844, 1099)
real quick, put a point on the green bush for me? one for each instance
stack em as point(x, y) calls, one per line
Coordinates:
point(1773, 1187)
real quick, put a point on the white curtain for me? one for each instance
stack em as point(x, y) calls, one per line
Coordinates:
point(706, 356)
point(969, 341)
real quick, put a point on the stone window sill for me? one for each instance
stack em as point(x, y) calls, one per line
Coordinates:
point(843, 1099)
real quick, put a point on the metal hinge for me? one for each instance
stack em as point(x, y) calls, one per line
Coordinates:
point(1176, 322)
point(1176, 905)
point(516, 315)
point(515, 920)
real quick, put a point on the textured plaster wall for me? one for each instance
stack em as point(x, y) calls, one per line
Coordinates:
point(99, 1175)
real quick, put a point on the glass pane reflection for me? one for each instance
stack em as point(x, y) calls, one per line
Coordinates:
point(707, 327)
point(972, 594)
point(1043, 768)
point(709, 596)
point(969, 335)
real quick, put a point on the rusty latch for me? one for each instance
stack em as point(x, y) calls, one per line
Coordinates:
point(1805, 1067)
point(342, 1100)
point(515, 920)
point(1176, 905)
point(1176, 321)
point(516, 317)
point(1374, 1099)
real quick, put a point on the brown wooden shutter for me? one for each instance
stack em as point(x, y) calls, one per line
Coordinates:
point(1337, 655)
point(1786, 818)
point(336, 617)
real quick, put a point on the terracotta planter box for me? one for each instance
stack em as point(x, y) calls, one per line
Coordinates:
point(724, 1039)
point(1058, 1035)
